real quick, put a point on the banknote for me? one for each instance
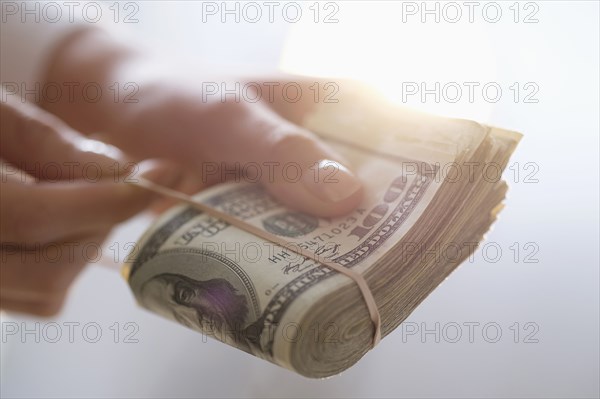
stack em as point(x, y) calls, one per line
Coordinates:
point(257, 295)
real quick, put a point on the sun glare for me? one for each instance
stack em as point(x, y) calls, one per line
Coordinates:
point(441, 68)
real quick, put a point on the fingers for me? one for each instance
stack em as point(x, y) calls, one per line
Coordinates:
point(40, 253)
point(36, 280)
point(42, 308)
point(294, 165)
point(221, 139)
point(312, 178)
point(41, 145)
point(180, 125)
point(46, 271)
point(47, 212)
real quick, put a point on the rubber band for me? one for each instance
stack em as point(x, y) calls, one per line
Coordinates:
point(357, 277)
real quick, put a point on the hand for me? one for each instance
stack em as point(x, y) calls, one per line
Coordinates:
point(215, 140)
point(59, 200)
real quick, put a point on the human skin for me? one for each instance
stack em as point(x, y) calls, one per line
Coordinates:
point(171, 131)
point(172, 120)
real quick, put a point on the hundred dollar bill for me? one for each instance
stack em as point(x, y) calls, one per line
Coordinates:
point(273, 303)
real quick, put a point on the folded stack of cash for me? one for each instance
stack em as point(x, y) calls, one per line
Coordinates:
point(432, 189)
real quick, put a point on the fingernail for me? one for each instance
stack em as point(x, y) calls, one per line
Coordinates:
point(331, 181)
point(109, 156)
point(98, 147)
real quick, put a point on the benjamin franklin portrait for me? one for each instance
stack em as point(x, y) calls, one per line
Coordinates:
point(213, 306)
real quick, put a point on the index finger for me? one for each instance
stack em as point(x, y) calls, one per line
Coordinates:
point(42, 145)
point(47, 212)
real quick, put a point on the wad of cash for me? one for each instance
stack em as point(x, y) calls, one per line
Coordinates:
point(432, 188)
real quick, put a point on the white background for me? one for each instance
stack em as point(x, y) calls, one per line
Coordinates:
point(558, 214)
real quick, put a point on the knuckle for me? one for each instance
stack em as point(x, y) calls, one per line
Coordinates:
point(49, 307)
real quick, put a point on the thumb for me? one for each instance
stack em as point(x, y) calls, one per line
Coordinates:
point(312, 177)
point(291, 162)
